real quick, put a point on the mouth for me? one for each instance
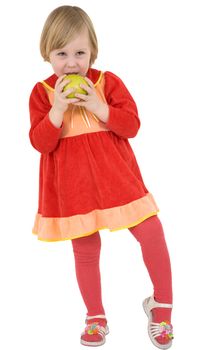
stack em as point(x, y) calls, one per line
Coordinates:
point(75, 73)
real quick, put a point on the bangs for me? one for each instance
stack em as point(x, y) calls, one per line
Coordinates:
point(64, 34)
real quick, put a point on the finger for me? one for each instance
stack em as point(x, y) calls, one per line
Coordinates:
point(82, 97)
point(67, 92)
point(80, 103)
point(90, 83)
point(63, 84)
point(72, 100)
point(88, 89)
point(58, 81)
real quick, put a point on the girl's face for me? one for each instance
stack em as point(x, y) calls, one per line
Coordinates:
point(74, 58)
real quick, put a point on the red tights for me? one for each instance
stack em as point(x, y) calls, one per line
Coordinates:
point(150, 235)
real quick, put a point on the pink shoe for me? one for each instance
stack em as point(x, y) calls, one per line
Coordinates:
point(163, 329)
point(95, 331)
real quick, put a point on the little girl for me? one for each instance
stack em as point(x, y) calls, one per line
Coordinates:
point(89, 177)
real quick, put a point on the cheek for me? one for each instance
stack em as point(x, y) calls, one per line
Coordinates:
point(57, 67)
point(56, 64)
point(86, 63)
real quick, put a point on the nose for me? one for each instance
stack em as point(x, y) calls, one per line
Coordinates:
point(71, 63)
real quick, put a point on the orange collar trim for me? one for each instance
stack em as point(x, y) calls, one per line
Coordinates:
point(47, 86)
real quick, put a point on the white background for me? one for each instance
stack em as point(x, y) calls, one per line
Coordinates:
point(167, 54)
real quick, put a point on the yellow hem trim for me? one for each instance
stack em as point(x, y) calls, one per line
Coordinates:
point(136, 222)
point(102, 228)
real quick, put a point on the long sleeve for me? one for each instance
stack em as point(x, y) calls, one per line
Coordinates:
point(44, 136)
point(123, 113)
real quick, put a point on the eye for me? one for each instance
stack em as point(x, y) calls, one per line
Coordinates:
point(80, 53)
point(61, 53)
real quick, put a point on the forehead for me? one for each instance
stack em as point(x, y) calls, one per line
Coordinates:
point(80, 40)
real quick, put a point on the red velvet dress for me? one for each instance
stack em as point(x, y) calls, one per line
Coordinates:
point(89, 177)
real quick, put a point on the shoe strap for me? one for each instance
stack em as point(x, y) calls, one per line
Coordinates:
point(95, 328)
point(96, 316)
point(152, 304)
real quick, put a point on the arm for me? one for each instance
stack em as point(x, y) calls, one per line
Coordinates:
point(123, 115)
point(44, 135)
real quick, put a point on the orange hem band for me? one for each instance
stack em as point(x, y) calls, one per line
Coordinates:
point(113, 219)
point(102, 228)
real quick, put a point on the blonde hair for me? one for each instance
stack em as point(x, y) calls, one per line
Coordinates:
point(62, 25)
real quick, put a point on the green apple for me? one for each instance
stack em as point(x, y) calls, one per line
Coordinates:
point(75, 82)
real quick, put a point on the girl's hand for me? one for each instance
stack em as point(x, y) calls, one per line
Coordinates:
point(92, 102)
point(61, 101)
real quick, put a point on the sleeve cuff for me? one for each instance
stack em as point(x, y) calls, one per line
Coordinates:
point(51, 127)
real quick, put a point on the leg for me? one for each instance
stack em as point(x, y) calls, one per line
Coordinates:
point(87, 255)
point(150, 235)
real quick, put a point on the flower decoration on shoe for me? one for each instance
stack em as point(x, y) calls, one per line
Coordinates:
point(92, 328)
point(166, 330)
